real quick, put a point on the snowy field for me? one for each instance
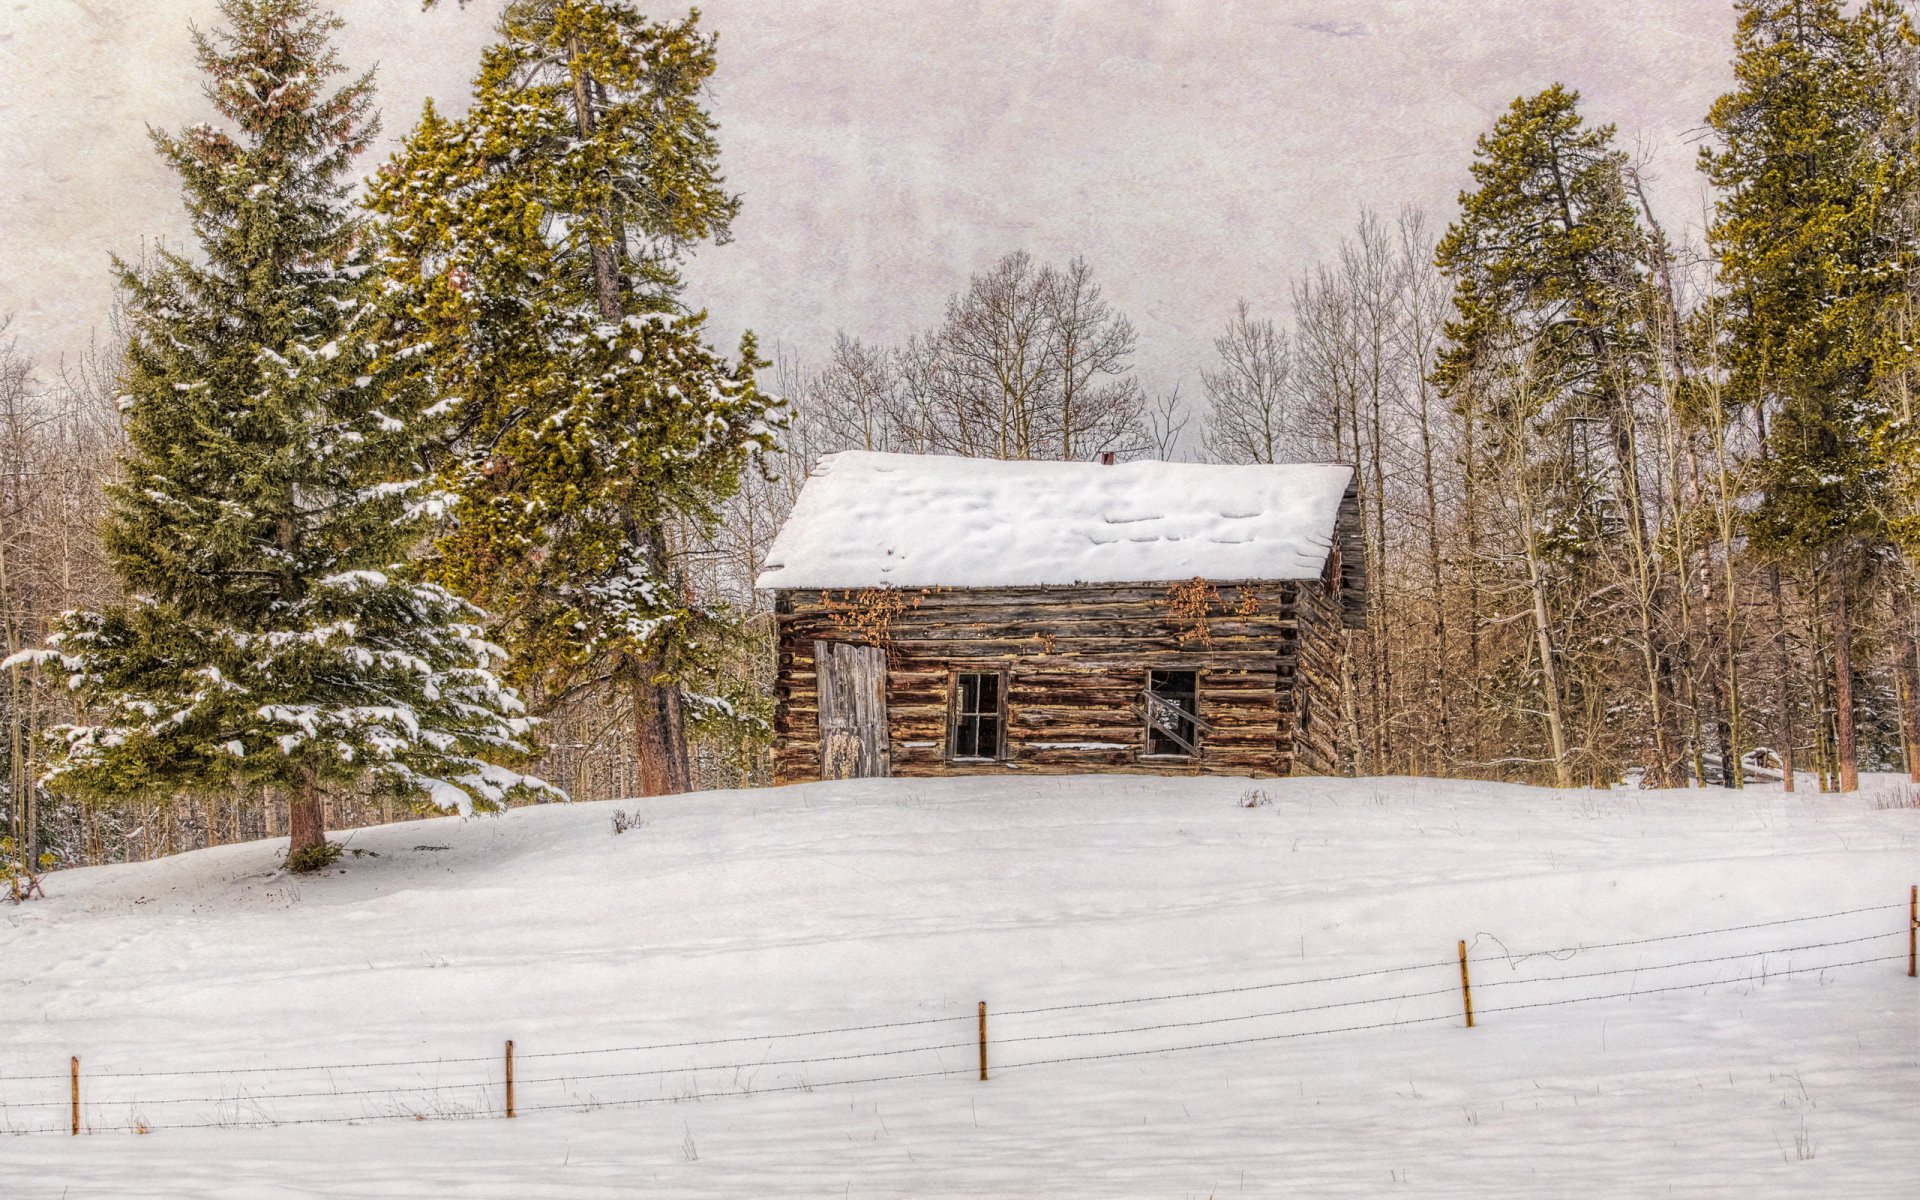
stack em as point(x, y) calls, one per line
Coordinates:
point(1760, 1069)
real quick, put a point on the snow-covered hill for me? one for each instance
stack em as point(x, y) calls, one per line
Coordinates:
point(740, 915)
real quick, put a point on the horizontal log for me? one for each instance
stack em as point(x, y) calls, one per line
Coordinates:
point(813, 600)
point(1041, 627)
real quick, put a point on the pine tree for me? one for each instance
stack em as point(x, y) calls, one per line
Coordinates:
point(271, 637)
point(1816, 270)
point(537, 241)
point(1547, 346)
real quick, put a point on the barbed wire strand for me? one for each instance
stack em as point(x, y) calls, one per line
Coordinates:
point(1252, 987)
point(741, 1066)
point(1674, 937)
point(1278, 1012)
point(489, 1058)
point(1279, 1037)
point(761, 1037)
point(573, 1106)
point(1682, 987)
point(1691, 962)
point(427, 1089)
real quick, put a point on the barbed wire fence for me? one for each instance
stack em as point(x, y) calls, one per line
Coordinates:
point(938, 1047)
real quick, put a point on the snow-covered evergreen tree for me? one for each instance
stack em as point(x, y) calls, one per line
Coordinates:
point(537, 241)
point(271, 636)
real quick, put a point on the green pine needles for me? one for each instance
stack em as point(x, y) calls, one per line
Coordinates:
point(1817, 162)
point(273, 637)
point(534, 250)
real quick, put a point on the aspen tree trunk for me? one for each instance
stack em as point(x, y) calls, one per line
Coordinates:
point(1718, 687)
point(20, 789)
point(1352, 668)
point(1378, 635)
point(658, 728)
point(1646, 586)
point(1686, 564)
point(1542, 626)
point(1674, 368)
point(1723, 732)
point(1549, 673)
point(1470, 459)
point(1443, 751)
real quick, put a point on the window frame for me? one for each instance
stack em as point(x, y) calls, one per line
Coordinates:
point(949, 750)
point(1147, 753)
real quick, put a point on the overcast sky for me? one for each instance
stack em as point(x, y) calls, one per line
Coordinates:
point(1195, 151)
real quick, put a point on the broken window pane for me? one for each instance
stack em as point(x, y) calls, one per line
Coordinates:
point(1172, 712)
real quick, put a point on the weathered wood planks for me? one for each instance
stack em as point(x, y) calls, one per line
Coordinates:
point(1075, 660)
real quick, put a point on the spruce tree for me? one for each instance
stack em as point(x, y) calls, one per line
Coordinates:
point(1808, 233)
point(271, 637)
point(537, 243)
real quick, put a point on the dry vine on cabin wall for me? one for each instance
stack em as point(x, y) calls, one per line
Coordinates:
point(869, 613)
point(1191, 602)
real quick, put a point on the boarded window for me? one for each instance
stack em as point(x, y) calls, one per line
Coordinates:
point(1173, 713)
point(979, 714)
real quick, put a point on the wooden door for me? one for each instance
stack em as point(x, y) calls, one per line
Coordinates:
point(853, 710)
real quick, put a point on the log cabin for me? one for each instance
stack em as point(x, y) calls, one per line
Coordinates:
point(955, 616)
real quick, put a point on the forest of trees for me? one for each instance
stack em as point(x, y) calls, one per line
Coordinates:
point(1635, 508)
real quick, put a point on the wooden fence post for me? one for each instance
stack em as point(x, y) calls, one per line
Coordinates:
point(983, 1040)
point(1466, 987)
point(73, 1075)
point(509, 1078)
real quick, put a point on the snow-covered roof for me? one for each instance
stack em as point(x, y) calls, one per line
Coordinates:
point(914, 520)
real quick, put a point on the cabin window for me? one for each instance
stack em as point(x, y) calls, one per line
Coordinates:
point(1173, 713)
point(979, 715)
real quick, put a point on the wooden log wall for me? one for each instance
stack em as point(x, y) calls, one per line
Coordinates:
point(1320, 614)
point(1075, 660)
point(1348, 561)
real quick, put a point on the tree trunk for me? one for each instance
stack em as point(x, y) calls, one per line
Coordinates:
point(1444, 758)
point(660, 746)
point(1819, 672)
point(1349, 705)
point(306, 814)
point(1845, 751)
point(1783, 667)
point(1906, 643)
point(1550, 682)
point(1469, 464)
